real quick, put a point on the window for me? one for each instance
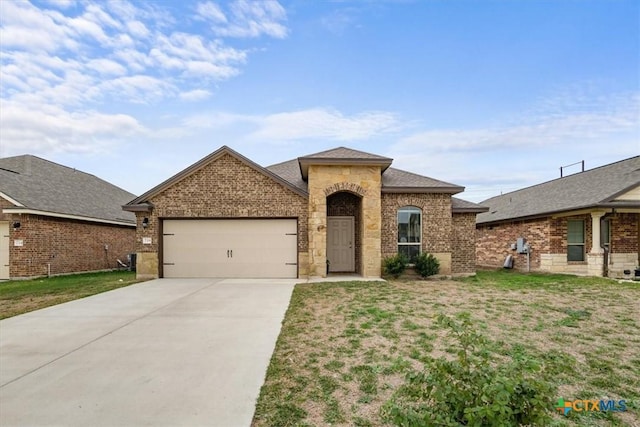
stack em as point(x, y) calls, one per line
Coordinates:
point(575, 240)
point(409, 232)
point(605, 233)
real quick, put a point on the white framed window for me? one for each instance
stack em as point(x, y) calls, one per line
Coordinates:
point(410, 232)
point(575, 240)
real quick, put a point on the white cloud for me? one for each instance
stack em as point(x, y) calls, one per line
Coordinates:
point(54, 129)
point(211, 11)
point(614, 114)
point(246, 19)
point(195, 95)
point(60, 59)
point(318, 123)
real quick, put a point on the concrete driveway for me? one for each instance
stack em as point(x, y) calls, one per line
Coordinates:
point(169, 352)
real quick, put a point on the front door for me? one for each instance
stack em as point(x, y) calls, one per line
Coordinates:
point(340, 244)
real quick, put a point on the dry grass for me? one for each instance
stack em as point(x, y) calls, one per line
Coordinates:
point(346, 347)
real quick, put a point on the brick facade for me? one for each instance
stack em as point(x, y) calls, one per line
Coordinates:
point(463, 242)
point(548, 240)
point(60, 246)
point(437, 225)
point(224, 188)
point(229, 187)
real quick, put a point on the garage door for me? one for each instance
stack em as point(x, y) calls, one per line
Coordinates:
point(4, 250)
point(251, 248)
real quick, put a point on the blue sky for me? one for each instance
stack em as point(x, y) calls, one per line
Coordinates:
point(491, 95)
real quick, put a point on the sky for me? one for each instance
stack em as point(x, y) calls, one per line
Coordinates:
point(490, 95)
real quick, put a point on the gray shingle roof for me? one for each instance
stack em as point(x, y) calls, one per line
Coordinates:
point(592, 188)
point(42, 185)
point(460, 206)
point(395, 179)
point(345, 153)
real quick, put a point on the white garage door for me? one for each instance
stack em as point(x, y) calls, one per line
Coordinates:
point(4, 250)
point(250, 248)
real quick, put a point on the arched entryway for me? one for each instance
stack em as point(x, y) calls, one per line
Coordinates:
point(344, 233)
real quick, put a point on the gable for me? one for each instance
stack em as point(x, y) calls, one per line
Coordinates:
point(224, 186)
point(633, 194)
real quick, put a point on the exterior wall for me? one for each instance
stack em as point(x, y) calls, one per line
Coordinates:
point(364, 181)
point(625, 240)
point(59, 246)
point(548, 240)
point(437, 225)
point(225, 188)
point(493, 243)
point(463, 243)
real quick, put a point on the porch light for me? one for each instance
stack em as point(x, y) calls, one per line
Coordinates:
point(145, 222)
point(16, 225)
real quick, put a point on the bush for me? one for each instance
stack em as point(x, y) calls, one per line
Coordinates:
point(427, 265)
point(395, 265)
point(472, 389)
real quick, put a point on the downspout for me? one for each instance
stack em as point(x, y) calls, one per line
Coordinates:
point(605, 260)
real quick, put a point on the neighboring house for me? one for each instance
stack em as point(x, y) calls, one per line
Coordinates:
point(340, 210)
point(56, 220)
point(586, 223)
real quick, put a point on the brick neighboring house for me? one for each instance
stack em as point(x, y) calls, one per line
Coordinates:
point(57, 220)
point(340, 210)
point(586, 223)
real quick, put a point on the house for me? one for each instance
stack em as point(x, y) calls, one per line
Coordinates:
point(586, 223)
point(340, 210)
point(57, 220)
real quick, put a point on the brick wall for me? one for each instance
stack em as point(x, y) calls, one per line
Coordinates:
point(5, 204)
point(463, 242)
point(225, 188)
point(69, 246)
point(436, 221)
point(624, 233)
point(549, 236)
point(493, 242)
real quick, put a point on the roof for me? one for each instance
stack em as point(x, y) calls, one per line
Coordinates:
point(393, 180)
point(598, 187)
point(290, 175)
point(39, 186)
point(464, 206)
point(342, 156)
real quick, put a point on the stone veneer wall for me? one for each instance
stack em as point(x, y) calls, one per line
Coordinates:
point(437, 224)
point(364, 181)
point(225, 188)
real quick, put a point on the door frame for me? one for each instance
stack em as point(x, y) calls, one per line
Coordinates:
point(352, 249)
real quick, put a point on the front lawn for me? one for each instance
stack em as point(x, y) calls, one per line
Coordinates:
point(349, 353)
point(22, 296)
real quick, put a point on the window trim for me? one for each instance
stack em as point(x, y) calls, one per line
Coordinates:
point(582, 245)
point(411, 209)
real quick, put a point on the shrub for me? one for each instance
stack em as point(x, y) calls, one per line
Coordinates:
point(394, 265)
point(427, 265)
point(472, 389)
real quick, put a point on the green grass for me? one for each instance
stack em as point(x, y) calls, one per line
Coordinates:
point(22, 296)
point(355, 343)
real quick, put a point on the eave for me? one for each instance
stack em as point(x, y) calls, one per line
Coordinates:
point(27, 211)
